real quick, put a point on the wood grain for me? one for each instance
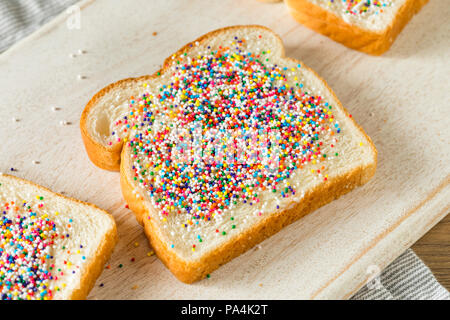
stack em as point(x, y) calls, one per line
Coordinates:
point(398, 99)
point(434, 249)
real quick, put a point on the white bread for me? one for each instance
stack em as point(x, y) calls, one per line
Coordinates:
point(368, 26)
point(237, 227)
point(77, 237)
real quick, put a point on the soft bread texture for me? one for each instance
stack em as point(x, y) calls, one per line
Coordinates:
point(174, 246)
point(76, 267)
point(369, 33)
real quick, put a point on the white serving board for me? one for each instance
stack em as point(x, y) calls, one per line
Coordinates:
point(401, 99)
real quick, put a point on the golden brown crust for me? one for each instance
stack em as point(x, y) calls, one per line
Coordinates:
point(188, 271)
point(104, 157)
point(95, 268)
point(328, 24)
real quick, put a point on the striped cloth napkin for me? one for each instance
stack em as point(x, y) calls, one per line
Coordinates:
point(406, 278)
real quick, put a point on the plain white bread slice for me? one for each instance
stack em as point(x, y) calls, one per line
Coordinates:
point(51, 246)
point(191, 249)
point(368, 26)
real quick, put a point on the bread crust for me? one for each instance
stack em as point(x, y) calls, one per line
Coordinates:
point(95, 268)
point(104, 157)
point(191, 271)
point(330, 25)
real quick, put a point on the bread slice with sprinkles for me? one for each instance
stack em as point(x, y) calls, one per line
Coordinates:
point(51, 246)
point(224, 146)
point(370, 26)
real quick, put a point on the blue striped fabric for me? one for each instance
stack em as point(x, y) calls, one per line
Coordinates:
point(406, 278)
point(19, 18)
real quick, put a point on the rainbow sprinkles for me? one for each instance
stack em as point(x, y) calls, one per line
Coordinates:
point(28, 239)
point(361, 7)
point(224, 127)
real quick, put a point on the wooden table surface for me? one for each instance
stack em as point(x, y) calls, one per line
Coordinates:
point(434, 249)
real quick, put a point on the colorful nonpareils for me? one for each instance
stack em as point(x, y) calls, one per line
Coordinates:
point(28, 238)
point(225, 126)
